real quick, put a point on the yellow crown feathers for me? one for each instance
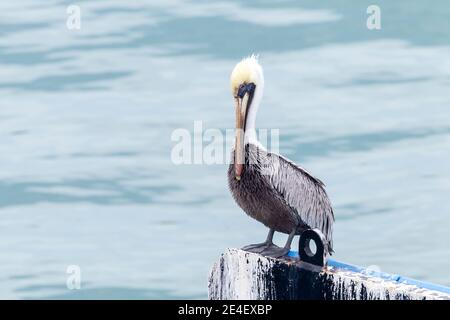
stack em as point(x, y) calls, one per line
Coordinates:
point(248, 70)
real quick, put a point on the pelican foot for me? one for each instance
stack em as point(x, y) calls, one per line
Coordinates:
point(275, 252)
point(257, 247)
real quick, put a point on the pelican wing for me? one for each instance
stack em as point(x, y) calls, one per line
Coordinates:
point(302, 192)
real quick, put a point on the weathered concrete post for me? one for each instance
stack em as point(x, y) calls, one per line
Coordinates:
point(243, 275)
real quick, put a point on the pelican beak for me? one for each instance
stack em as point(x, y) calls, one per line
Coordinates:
point(243, 101)
point(239, 152)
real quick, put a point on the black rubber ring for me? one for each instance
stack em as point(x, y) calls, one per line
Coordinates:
point(305, 252)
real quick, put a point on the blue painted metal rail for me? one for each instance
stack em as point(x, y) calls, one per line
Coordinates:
point(383, 275)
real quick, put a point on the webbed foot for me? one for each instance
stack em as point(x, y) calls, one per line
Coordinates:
point(257, 247)
point(260, 247)
point(275, 252)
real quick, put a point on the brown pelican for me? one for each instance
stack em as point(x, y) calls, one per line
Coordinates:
point(268, 187)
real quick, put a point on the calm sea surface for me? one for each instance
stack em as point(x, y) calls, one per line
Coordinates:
point(86, 118)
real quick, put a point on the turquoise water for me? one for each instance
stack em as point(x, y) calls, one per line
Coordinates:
point(86, 119)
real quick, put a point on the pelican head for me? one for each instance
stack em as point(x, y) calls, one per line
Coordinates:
point(247, 82)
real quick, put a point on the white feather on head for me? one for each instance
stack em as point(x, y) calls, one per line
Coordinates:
point(248, 70)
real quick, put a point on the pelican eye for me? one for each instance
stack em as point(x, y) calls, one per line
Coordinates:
point(246, 88)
